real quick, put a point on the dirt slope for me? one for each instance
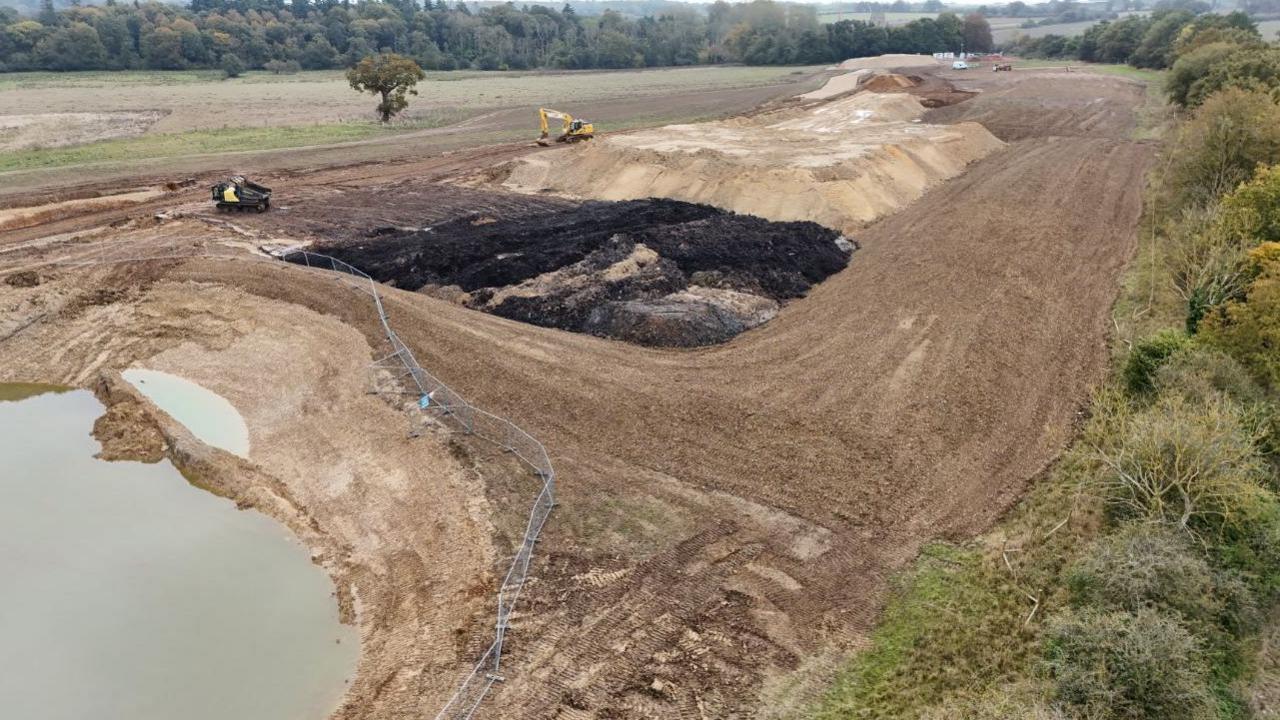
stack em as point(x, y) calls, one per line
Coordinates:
point(729, 516)
point(840, 164)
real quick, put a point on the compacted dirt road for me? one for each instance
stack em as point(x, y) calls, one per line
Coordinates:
point(729, 516)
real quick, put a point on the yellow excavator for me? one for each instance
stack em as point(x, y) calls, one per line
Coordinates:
point(572, 130)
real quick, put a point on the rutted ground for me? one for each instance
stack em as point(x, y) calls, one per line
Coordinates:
point(728, 516)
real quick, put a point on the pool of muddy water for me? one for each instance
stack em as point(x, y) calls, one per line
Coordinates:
point(129, 593)
point(205, 413)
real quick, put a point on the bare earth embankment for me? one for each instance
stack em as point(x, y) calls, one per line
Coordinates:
point(841, 164)
point(728, 516)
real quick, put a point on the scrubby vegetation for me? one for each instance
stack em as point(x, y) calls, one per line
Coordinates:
point(1133, 582)
point(1205, 53)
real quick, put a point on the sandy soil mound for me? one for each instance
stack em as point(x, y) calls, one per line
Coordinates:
point(838, 85)
point(885, 62)
point(888, 82)
point(842, 164)
point(655, 272)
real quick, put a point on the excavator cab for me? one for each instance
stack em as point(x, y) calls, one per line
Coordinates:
point(572, 130)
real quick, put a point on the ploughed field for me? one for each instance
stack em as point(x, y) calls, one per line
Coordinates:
point(654, 272)
point(728, 516)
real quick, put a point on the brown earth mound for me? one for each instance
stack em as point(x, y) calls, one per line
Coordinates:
point(888, 82)
point(841, 164)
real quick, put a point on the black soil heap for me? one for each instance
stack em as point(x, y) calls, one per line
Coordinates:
point(696, 245)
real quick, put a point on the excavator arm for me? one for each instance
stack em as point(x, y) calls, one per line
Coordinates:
point(543, 115)
point(571, 130)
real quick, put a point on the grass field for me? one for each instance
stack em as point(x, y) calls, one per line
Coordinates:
point(1006, 34)
point(198, 142)
point(199, 100)
point(61, 119)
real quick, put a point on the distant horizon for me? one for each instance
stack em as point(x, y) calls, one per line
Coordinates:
point(969, 3)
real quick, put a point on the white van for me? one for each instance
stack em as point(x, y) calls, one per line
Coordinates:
point(959, 65)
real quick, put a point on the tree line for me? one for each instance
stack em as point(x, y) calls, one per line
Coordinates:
point(1204, 53)
point(321, 34)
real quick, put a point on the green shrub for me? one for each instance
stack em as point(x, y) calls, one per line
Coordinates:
point(1249, 329)
point(1204, 262)
point(1123, 664)
point(1207, 246)
point(1192, 66)
point(1200, 374)
point(1250, 214)
point(1251, 547)
point(1146, 566)
point(282, 67)
point(1251, 68)
point(1146, 357)
point(232, 65)
point(1192, 466)
point(1221, 146)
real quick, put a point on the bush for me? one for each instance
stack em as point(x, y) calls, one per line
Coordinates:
point(1252, 548)
point(1250, 214)
point(1251, 68)
point(1207, 246)
point(1191, 466)
point(1201, 374)
point(1146, 357)
point(283, 67)
point(1203, 262)
point(1127, 665)
point(232, 65)
point(1192, 67)
point(1145, 566)
point(1249, 329)
point(1222, 145)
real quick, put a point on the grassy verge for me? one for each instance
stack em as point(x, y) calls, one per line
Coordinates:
point(952, 626)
